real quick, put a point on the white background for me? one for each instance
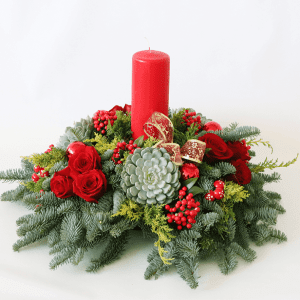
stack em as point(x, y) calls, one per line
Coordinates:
point(231, 60)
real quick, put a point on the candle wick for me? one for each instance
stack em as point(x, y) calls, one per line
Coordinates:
point(148, 44)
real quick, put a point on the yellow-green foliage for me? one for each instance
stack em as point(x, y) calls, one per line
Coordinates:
point(102, 144)
point(233, 193)
point(270, 164)
point(155, 217)
point(47, 160)
point(152, 215)
point(253, 142)
point(34, 186)
point(130, 210)
point(151, 141)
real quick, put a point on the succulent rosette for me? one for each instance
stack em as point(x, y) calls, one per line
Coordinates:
point(150, 177)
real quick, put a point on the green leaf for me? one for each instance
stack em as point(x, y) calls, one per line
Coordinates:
point(190, 182)
point(139, 141)
point(195, 190)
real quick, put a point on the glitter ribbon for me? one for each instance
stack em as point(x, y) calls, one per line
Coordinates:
point(160, 127)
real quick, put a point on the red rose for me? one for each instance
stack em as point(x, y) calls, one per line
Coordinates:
point(127, 108)
point(240, 150)
point(61, 184)
point(242, 175)
point(219, 149)
point(90, 185)
point(85, 158)
point(189, 170)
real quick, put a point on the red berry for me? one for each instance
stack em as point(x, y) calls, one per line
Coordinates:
point(35, 177)
point(103, 131)
point(170, 220)
point(182, 193)
point(180, 214)
point(197, 203)
point(219, 184)
point(183, 223)
point(173, 217)
point(169, 215)
point(189, 226)
point(219, 194)
point(36, 168)
point(167, 207)
point(182, 207)
point(184, 202)
point(197, 209)
point(177, 205)
point(179, 227)
point(187, 212)
point(210, 196)
point(183, 219)
point(184, 188)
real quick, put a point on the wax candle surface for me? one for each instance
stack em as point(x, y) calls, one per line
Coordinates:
point(150, 87)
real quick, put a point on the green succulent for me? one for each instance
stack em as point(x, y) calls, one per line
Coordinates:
point(150, 177)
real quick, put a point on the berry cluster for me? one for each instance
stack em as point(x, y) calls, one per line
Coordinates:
point(218, 193)
point(185, 210)
point(119, 151)
point(190, 117)
point(41, 173)
point(101, 119)
point(49, 149)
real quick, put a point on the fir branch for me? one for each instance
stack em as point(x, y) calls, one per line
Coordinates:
point(262, 234)
point(29, 238)
point(187, 269)
point(266, 214)
point(54, 236)
point(238, 133)
point(241, 234)
point(227, 260)
point(156, 266)
point(270, 164)
point(71, 229)
point(247, 254)
point(187, 247)
point(63, 257)
point(253, 141)
point(121, 226)
point(15, 175)
point(15, 195)
point(112, 251)
point(225, 168)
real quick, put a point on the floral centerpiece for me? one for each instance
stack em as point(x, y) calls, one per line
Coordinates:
point(188, 184)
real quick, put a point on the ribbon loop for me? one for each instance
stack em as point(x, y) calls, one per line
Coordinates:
point(160, 127)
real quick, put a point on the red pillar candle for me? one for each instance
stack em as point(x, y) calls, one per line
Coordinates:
point(150, 87)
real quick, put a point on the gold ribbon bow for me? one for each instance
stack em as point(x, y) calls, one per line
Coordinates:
point(160, 127)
